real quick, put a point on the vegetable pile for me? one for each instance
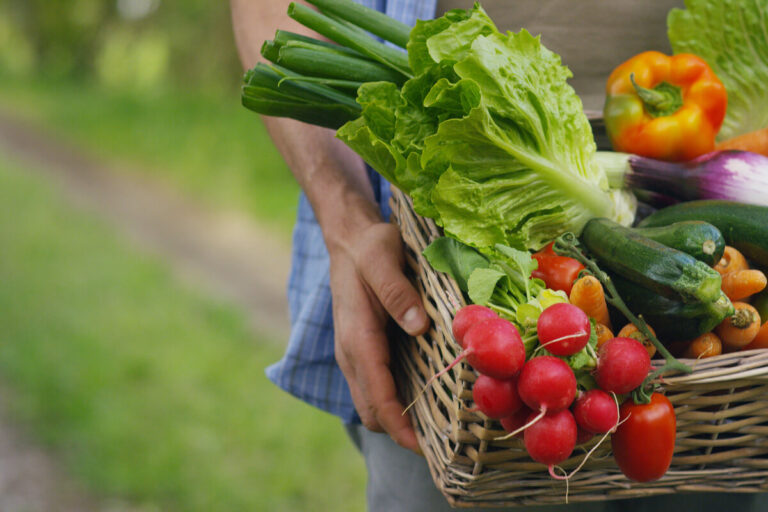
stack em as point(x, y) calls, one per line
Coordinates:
point(481, 129)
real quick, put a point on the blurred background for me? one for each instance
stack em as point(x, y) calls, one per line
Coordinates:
point(144, 227)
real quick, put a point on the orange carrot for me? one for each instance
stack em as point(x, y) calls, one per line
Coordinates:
point(731, 261)
point(740, 329)
point(756, 141)
point(761, 340)
point(706, 345)
point(603, 333)
point(740, 284)
point(631, 331)
point(587, 294)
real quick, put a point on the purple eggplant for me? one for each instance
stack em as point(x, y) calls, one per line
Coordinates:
point(733, 175)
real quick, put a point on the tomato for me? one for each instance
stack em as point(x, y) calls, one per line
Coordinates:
point(644, 443)
point(557, 272)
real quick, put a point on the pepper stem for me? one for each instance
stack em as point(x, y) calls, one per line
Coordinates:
point(663, 100)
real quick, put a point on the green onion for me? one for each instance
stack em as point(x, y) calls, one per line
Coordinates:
point(320, 114)
point(312, 60)
point(280, 79)
point(270, 50)
point(338, 84)
point(375, 22)
point(283, 37)
point(351, 38)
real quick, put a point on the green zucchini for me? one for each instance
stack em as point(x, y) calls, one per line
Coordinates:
point(744, 226)
point(699, 239)
point(672, 320)
point(662, 269)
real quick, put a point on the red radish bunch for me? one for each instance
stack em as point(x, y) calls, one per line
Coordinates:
point(538, 399)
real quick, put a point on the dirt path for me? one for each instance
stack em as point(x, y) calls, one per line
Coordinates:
point(225, 254)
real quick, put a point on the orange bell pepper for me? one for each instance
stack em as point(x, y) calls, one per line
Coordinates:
point(664, 107)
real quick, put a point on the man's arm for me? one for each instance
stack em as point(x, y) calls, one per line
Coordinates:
point(366, 255)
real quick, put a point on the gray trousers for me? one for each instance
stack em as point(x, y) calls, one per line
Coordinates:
point(399, 481)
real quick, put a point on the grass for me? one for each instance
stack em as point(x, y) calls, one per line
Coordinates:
point(147, 390)
point(209, 147)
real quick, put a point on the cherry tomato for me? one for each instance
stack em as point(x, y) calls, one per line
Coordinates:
point(557, 272)
point(644, 443)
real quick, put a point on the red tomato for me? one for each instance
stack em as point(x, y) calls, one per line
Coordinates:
point(643, 444)
point(557, 272)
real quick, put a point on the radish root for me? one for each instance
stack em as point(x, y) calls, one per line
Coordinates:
point(439, 374)
point(566, 337)
point(541, 414)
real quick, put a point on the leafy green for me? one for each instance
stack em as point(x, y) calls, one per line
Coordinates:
point(732, 36)
point(487, 138)
point(501, 280)
point(455, 259)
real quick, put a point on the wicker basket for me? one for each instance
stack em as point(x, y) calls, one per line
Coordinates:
point(722, 415)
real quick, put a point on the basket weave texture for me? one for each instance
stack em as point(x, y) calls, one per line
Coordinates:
point(721, 408)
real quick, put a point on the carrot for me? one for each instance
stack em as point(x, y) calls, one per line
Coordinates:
point(603, 333)
point(740, 284)
point(706, 345)
point(756, 141)
point(731, 261)
point(740, 329)
point(631, 331)
point(761, 339)
point(587, 294)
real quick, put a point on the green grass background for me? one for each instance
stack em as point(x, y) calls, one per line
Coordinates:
point(206, 145)
point(146, 389)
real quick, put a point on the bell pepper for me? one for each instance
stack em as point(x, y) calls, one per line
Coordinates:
point(664, 107)
point(557, 272)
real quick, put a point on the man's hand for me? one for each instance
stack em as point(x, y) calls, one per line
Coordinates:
point(367, 281)
point(368, 287)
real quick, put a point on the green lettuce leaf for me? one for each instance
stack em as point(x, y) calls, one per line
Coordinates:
point(489, 139)
point(732, 36)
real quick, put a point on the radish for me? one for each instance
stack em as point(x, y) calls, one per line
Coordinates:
point(596, 412)
point(563, 329)
point(622, 365)
point(547, 384)
point(493, 347)
point(517, 420)
point(466, 317)
point(494, 397)
point(551, 439)
point(582, 436)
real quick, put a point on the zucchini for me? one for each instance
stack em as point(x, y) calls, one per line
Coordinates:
point(744, 226)
point(699, 239)
point(662, 269)
point(672, 320)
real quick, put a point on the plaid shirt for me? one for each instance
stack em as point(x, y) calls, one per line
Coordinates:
point(308, 370)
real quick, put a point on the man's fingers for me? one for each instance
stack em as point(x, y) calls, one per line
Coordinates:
point(378, 385)
point(381, 267)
